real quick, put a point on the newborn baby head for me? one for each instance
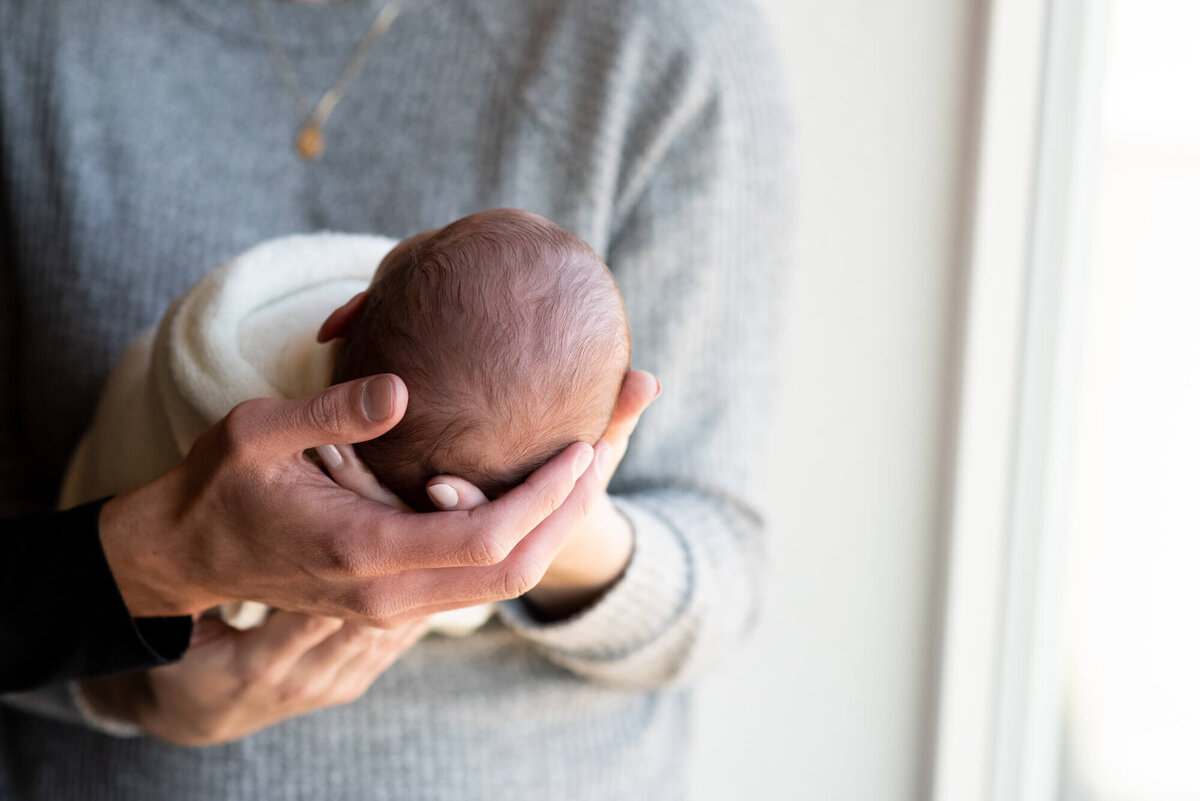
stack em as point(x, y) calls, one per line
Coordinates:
point(511, 337)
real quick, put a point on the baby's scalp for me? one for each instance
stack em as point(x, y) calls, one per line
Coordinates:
point(511, 336)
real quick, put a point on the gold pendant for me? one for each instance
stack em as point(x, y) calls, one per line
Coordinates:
point(310, 142)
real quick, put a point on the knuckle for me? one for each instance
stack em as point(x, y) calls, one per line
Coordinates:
point(219, 438)
point(238, 421)
point(369, 604)
point(548, 503)
point(238, 432)
point(485, 549)
point(517, 579)
point(326, 413)
point(346, 558)
point(250, 679)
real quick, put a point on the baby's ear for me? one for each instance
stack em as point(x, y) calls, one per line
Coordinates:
point(338, 324)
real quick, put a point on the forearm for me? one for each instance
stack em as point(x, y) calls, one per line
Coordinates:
point(587, 568)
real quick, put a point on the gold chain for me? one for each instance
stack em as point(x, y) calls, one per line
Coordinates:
point(310, 139)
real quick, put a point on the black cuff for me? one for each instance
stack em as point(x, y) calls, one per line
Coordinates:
point(61, 614)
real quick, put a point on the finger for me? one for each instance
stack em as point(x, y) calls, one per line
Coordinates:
point(344, 467)
point(530, 559)
point(207, 630)
point(400, 637)
point(351, 412)
point(483, 536)
point(396, 641)
point(271, 651)
point(432, 590)
point(433, 609)
point(318, 669)
point(453, 493)
point(639, 389)
point(523, 508)
point(356, 675)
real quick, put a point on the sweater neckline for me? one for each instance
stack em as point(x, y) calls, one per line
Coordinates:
point(298, 27)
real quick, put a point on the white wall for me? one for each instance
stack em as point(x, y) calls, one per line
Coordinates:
point(831, 699)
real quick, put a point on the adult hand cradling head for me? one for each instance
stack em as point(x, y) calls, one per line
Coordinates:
point(248, 515)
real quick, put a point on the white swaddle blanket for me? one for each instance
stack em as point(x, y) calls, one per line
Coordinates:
point(246, 330)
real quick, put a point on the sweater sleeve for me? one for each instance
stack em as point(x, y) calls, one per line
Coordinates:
point(63, 616)
point(700, 249)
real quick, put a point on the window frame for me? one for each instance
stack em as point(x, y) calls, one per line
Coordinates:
point(998, 711)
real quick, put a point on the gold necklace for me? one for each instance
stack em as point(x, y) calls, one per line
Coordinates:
point(310, 139)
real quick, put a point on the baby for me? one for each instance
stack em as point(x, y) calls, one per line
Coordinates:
point(508, 331)
point(511, 337)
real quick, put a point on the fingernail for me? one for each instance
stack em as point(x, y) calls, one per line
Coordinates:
point(330, 456)
point(378, 399)
point(582, 460)
point(658, 391)
point(444, 496)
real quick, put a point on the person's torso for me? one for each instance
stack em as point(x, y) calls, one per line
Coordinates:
point(145, 142)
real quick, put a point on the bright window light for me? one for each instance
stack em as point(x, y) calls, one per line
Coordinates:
point(1133, 681)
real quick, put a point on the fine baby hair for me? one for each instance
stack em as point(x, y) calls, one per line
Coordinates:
point(511, 336)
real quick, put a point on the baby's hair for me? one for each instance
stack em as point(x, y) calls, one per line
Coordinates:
point(511, 336)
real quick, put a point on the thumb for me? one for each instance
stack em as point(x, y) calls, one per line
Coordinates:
point(639, 389)
point(346, 413)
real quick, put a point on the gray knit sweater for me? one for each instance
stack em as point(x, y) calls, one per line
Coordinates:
point(144, 141)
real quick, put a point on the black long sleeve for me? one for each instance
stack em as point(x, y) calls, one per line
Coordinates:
point(61, 614)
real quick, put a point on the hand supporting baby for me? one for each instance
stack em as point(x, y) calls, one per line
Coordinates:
point(232, 683)
point(599, 541)
point(248, 516)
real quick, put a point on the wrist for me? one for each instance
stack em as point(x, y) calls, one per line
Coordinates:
point(140, 536)
point(592, 561)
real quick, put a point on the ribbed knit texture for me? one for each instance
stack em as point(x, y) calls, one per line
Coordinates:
point(142, 142)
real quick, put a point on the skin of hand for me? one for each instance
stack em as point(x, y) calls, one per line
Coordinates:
point(600, 540)
point(248, 516)
point(232, 683)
